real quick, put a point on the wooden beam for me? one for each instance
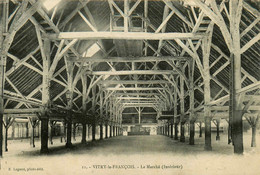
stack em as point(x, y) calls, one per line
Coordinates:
point(250, 43)
point(136, 94)
point(122, 35)
point(21, 111)
point(133, 89)
point(96, 59)
point(131, 72)
point(178, 13)
point(107, 82)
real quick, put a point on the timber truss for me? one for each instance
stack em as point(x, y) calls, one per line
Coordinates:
point(179, 73)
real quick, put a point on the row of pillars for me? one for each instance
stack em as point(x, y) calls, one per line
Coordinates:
point(114, 131)
point(167, 130)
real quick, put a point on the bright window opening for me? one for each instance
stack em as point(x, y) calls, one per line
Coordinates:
point(91, 51)
point(49, 4)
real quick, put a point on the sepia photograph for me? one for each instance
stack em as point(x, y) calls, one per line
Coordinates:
point(149, 87)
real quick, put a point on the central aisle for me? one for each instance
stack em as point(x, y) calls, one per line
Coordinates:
point(134, 155)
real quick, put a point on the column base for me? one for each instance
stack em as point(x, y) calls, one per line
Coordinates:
point(191, 142)
point(176, 138)
point(69, 145)
point(44, 151)
point(207, 148)
point(182, 139)
point(83, 141)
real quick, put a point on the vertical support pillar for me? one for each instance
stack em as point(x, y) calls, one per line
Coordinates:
point(101, 131)
point(114, 131)
point(69, 130)
point(168, 129)
point(74, 131)
point(235, 60)
point(84, 108)
point(44, 134)
point(3, 57)
point(217, 125)
point(84, 131)
point(208, 133)
point(191, 92)
point(200, 126)
point(45, 52)
point(206, 45)
point(192, 132)
point(182, 122)
point(172, 129)
point(176, 131)
point(106, 131)
point(110, 130)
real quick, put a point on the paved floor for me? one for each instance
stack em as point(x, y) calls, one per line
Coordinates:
point(132, 155)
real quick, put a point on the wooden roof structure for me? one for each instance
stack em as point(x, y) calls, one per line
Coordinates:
point(196, 58)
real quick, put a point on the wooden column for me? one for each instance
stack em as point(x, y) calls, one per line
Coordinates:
point(101, 112)
point(84, 108)
point(101, 131)
point(106, 131)
point(168, 129)
point(191, 92)
point(171, 129)
point(3, 57)
point(33, 123)
point(217, 125)
point(200, 126)
point(253, 120)
point(69, 130)
point(235, 59)
point(110, 130)
point(74, 131)
point(182, 137)
point(206, 45)
point(192, 132)
point(69, 96)
point(44, 135)
point(45, 52)
point(93, 112)
point(114, 132)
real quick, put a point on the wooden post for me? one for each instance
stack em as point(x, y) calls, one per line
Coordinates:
point(74, 131)
point(69, 96)
point(182, 137)
point(191, 92)
point(176, 131)
point(7, 123)
point(217, 125)
point(101, 131)
point(235, 60)
point(44, 135)
point(51, 131)
point(33, 122)
point(206, 43)
point(200, 126)
point(84, 108)
point(168, 129)
point(192, 132)
point(84, 132)
point(114, 131)
point(172, 129)
point(69, 130)
point(106, 131)
point(3, 57)
point(253, 123)
point(45, 92)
